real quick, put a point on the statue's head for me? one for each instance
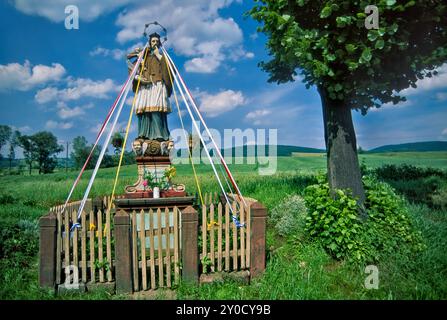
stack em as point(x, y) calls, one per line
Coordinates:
point(154, 39)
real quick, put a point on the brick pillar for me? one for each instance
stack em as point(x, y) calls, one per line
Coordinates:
point(47, 250)
point(123, 253)
point(258, 215)
point(190, 250)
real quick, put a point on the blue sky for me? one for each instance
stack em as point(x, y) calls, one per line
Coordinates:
point(64, 80)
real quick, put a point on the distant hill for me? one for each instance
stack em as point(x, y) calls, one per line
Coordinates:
point(281, 151)
point(413, 147)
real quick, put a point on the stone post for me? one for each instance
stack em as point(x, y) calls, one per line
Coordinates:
point(258, 214)
point(47, 250)
point(190, 252)
point(123, 253)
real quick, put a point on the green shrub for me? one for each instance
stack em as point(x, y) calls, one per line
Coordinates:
point(407, 172)
point(418, 191)
point(439, 199)
point(389, 227)
point(333, 221)
point(289, 216)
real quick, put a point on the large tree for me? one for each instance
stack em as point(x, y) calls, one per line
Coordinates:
point(45, 149)
point(332, 46)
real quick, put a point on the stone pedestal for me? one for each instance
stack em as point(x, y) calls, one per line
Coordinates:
point(156, 165)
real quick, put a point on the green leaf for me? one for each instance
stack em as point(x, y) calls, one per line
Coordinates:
point(338, 87)
point(380, 44)
point(390, 2)
point(372, 35)
point(286, 17)
point(366, 55)
point(326, 12)
point(350, 47)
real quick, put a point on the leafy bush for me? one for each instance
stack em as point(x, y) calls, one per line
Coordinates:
point(288, 217)
point(407, 172)
point(439, 199)
point(419, 185)
point(389, 227)
point(333, 221)
point(18, 243)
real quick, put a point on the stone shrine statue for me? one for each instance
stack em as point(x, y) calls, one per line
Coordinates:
point(152, 103)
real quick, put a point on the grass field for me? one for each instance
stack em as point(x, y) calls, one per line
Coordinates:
point(295, 270)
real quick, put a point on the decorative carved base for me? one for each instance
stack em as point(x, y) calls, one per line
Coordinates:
point(156, 165)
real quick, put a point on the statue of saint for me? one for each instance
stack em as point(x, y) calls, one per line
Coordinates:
point(152, 102)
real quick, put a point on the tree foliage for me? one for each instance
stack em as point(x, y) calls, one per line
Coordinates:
point(5, 134)
point(81, 150)
point(45, 150)
point(328, 44)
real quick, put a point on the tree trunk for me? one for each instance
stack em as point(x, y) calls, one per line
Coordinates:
point(341, 145)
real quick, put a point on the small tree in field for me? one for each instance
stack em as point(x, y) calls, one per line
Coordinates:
point(46, 148)
point(332, 45)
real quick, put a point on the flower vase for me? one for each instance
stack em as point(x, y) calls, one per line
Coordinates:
point(156, 192)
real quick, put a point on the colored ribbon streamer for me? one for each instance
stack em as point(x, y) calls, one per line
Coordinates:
point(106, 143)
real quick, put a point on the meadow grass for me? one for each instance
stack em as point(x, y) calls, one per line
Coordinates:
point(296, 268)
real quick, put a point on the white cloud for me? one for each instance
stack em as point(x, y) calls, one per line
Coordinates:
point(15, 76)
point(444, 132)
point(64, 112)
point(258, 116)
point(116, 54)
point(55, 10)
point(391, 106)
point(435, 82)
point(195, 30)
point(77, 89)
point(224, 101)
point(50, 124)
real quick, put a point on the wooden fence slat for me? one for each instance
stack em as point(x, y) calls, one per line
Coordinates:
point(109, 246)
point(227, 237)
point(212, 237)
point(168, 248)
point(92, 248)
point(100, 248)
point(75, 239)
point(160, 249)
point(176, 247)
point(84, 247)
point(219, 237)
point(143, 250)
point(58, 247)
point(242, 235)
point(235, 253)
point(204, 232)
point(135, 251)
point(152, 248)
point(248, 233)
point(67, 239)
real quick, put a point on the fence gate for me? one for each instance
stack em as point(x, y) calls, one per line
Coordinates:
point(155, 248)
